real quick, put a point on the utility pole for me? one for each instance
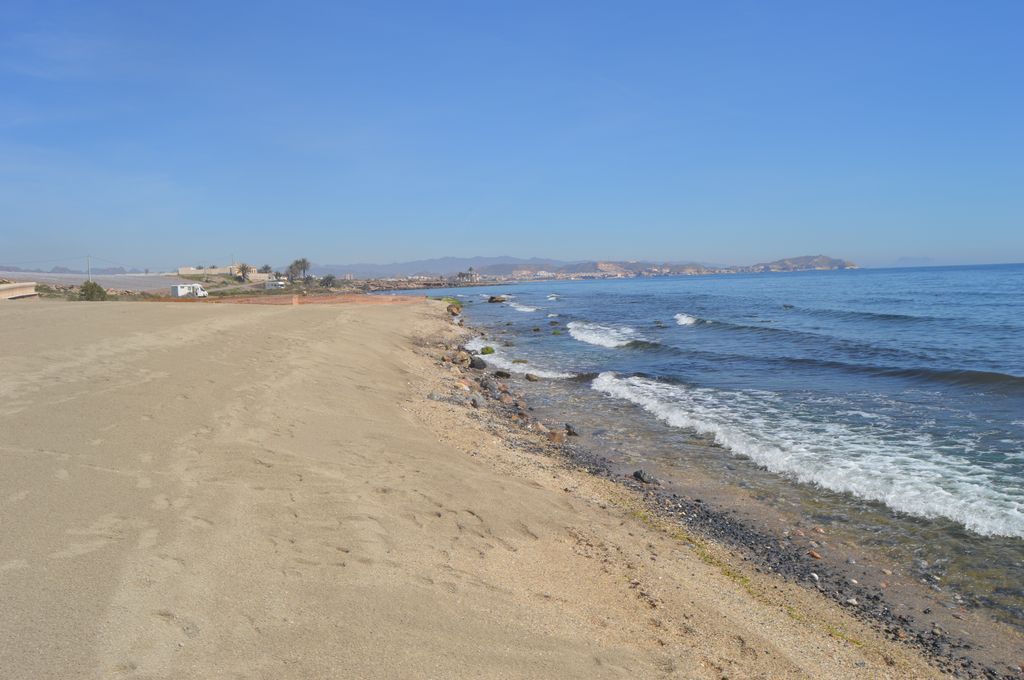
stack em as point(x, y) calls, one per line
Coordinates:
point(88, 265)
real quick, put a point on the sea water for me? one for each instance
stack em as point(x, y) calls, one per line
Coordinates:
point(896, 391)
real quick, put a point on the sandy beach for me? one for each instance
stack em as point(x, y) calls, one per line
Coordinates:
point(236, 491)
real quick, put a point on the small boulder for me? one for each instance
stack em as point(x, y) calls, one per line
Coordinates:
point(556, 436)
point(487, 350)
point(453, 310)
point(642, 475)
point(477, 362)
point(531, 377)
point(462, 358)
point(502, 374)
point(570, 430)
point(496, 298)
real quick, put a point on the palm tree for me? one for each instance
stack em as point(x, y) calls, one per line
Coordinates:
point(328, 281)
point(242, 270)
point(304, 265)
point(293, 270)
point(266, 269)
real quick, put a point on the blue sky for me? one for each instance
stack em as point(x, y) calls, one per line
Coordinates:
point(158, 134)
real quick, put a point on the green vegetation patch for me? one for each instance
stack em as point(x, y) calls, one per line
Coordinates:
point(92, 291)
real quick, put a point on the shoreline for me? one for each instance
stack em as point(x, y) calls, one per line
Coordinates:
point(771, 553)
point(304, 491)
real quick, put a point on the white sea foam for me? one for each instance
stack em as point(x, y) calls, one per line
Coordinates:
point(908, 473)
point(521, 308)
point(551, 316)
point(604, 336)
point(685, 319)
point(499, 361)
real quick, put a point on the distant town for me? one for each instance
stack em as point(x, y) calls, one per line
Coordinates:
point(301, 275)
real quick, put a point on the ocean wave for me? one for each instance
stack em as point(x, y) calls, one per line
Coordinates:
point(499, 361)
point(864, 315)
point(521, 308)
point(685, 319)
point(909, 474)
point(603, 336)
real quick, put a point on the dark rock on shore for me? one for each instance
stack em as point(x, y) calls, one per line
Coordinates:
point(477, 362)
point(502, 374)
point(531, 377)
point(496, 298)
point(570, 430)
point(453, 310)
point(644, 476)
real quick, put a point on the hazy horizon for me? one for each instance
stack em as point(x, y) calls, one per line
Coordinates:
point(735, 133)
point(79, 264)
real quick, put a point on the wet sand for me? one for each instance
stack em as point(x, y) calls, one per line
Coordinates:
point(196, 491)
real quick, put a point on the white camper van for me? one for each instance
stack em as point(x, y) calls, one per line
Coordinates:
point(274, 285)
point(188, 290)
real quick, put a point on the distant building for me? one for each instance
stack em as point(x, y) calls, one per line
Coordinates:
point(230, 270)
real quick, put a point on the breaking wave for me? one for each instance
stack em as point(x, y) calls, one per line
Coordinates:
point(685, 319)
point(603, 336)
point(860, 460)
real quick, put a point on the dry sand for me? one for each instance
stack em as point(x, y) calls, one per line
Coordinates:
point(222, 491)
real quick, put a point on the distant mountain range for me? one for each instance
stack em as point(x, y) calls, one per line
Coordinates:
point(520, 267)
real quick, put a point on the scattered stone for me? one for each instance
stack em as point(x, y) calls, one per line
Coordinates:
point(814, 555)
point(642, 475)
point(453, 310)
point(475, 401)
point(571, 431)
point(852, 602)
point(556, 436)
point(531, 377)
point(502, 374)
point(814, 577)
point(477, 362)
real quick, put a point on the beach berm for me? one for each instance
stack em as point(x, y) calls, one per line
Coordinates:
point(263, 491)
